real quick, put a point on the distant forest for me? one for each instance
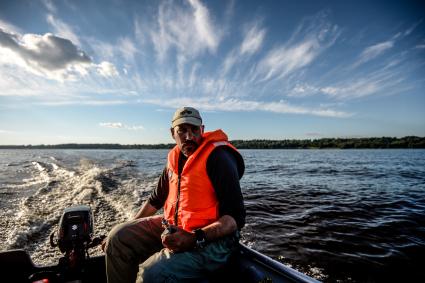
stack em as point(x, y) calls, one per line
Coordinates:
point(383, 142)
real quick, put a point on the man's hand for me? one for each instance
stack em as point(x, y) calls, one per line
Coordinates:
point(179, 241)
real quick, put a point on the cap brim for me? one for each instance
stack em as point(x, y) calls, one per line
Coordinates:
point(187, 120)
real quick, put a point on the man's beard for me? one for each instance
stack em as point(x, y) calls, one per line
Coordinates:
point(189, 147)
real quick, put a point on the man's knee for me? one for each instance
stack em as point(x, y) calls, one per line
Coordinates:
point(116, 237)
point(154, 269)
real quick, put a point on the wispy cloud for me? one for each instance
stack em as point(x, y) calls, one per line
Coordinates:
point(248, 105)
point(307, 43)
point(376, 50)
point(302, 90)
point(49, 6)
point(8, 27)
point(376, 83)
point(373, 51)
point(83, 102)
point(104, 50)
point(119, 125)
point(252, 42)
point(127, 48)
point(190, 31)
point(204, 25)
point(353, 90)
point(62, 29)
point(412, 28)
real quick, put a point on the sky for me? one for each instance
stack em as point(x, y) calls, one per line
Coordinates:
point(115, 71)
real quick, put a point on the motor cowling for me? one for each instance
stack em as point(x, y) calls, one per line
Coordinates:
point(75, 228)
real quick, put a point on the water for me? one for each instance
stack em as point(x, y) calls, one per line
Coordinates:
point(337, 215)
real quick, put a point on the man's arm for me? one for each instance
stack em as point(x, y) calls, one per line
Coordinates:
point(224, 171)
point(146, 210)
point(225, 225)
point(182, 240)
point(157, 198)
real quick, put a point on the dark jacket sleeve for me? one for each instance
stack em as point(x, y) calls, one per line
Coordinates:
point(223, 171)
point(159, 195)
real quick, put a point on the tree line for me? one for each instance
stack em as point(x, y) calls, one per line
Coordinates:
point(341, 143)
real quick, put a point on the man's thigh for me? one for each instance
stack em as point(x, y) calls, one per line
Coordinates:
point(165, 266)
point(137, 238)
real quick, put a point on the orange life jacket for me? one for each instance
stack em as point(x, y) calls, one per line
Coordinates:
point(197, 204)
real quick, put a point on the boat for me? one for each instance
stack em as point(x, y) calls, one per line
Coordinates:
point(245, 264)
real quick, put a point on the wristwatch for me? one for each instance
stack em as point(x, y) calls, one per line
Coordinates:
point(201, 239)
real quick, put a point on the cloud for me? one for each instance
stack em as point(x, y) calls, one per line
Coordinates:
point(352, 90)
point(384, 81)
point(388, 78)
point(49, 5)
point(127, 48)
point(232, 105)
point(373, 51)
point(107, 69)
point(282, 61)
point(5, 26)
point(308, 42)
point(139, 31)
point(302, 90)
point(203, 24)
point(44, 55)
point(190, 31)
point(363, 87)
point(253, 40)
point(49, 56)
point(83, 102)
point(412, 28)
point(102, 49)
point(119, 125)
point(114, 125)
point(62, 29)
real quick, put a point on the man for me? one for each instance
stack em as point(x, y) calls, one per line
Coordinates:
point(203, 211)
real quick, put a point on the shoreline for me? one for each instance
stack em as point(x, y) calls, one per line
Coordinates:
point(409, 142)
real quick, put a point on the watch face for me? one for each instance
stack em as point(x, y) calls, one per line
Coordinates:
point(200, 238)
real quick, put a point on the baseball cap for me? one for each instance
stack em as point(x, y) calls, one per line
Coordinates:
point(187, 115)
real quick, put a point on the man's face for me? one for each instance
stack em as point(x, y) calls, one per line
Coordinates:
point(188, 137)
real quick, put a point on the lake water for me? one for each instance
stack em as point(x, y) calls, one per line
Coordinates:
point(337, 215)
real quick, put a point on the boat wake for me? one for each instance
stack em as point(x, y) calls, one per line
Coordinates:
point(112, 197)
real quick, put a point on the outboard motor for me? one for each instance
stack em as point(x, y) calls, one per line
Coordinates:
point(75, 229)
point(74, 239)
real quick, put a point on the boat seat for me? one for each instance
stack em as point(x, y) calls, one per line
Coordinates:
point(236, 270)
point(16, 265)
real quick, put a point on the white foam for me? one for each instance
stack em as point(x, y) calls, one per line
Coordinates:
point(114, 198)
point(38, 166)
